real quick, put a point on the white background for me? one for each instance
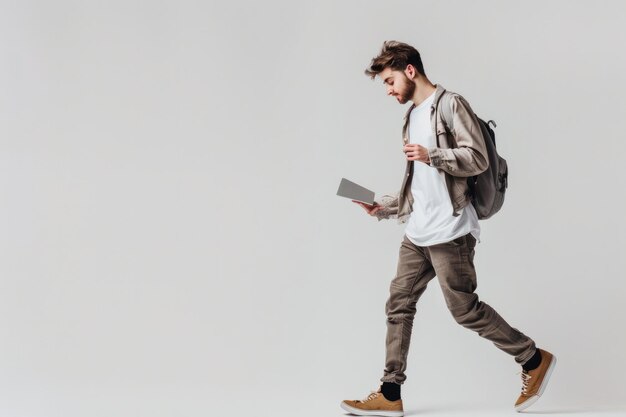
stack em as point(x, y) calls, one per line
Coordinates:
point(171, 241)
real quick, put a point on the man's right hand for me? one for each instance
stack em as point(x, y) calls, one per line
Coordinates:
point(370, 209)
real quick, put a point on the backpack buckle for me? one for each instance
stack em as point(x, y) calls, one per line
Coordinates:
point(504, 181)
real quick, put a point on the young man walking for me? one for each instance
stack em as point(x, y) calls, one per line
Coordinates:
point(441, 230)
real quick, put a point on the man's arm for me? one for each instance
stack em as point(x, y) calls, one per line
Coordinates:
point(384, 208)
point(470, 158)
point(389, 207)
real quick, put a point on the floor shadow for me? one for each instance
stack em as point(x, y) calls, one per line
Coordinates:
point(448, 408)
point(577, 410)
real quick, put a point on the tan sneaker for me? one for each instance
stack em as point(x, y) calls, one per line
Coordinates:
point(374, 405)
point(534, 382)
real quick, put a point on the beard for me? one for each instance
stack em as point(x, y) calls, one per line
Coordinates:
point(408, 91)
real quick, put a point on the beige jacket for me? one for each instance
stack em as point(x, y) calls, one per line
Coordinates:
point(460, 153)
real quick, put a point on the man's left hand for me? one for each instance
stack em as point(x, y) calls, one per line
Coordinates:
point(415, 152)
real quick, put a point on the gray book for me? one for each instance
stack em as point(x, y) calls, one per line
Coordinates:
point(356, 192)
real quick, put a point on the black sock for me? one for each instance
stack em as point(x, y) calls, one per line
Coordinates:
point(390, 391)
point(533, 362)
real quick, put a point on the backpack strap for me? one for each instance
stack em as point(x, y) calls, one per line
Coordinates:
point(443, 105)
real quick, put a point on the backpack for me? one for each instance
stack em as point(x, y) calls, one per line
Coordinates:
point(486, 189)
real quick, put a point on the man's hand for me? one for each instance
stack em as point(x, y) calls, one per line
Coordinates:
point(415, 152)
point(371, 209)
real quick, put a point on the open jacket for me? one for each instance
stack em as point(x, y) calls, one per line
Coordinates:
point(460, 153)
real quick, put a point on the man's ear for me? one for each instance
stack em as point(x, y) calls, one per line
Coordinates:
point(409, 71)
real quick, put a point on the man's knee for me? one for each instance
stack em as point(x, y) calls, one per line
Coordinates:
point(467, 315)
point(398, 306)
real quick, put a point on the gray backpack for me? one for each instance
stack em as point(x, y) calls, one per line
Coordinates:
point(487, 189)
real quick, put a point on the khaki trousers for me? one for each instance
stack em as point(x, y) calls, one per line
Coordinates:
point(453, 263)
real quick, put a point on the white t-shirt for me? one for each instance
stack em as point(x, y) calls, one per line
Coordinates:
point(431, 221)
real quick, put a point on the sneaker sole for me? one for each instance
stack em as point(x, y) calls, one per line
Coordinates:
point(542, 388)
point(359, 412)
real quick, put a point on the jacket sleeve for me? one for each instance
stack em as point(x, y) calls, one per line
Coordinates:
point(470, 157)
point(389, 205)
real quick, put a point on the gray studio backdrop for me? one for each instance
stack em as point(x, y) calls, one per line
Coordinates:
point(171, 242)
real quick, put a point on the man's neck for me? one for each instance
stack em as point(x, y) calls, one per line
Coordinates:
point(423, 90)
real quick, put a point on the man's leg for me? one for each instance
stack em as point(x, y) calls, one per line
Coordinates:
point(454, 264)
point(413, 274)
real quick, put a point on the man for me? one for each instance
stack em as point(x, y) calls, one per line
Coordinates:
point(441, 230)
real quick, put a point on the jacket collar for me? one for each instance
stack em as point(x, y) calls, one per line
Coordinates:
point(438, 93)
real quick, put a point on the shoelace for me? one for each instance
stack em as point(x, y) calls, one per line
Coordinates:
point(525, 378)
point(371, 396)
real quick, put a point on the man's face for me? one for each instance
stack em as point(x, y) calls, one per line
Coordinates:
point(398, 84)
